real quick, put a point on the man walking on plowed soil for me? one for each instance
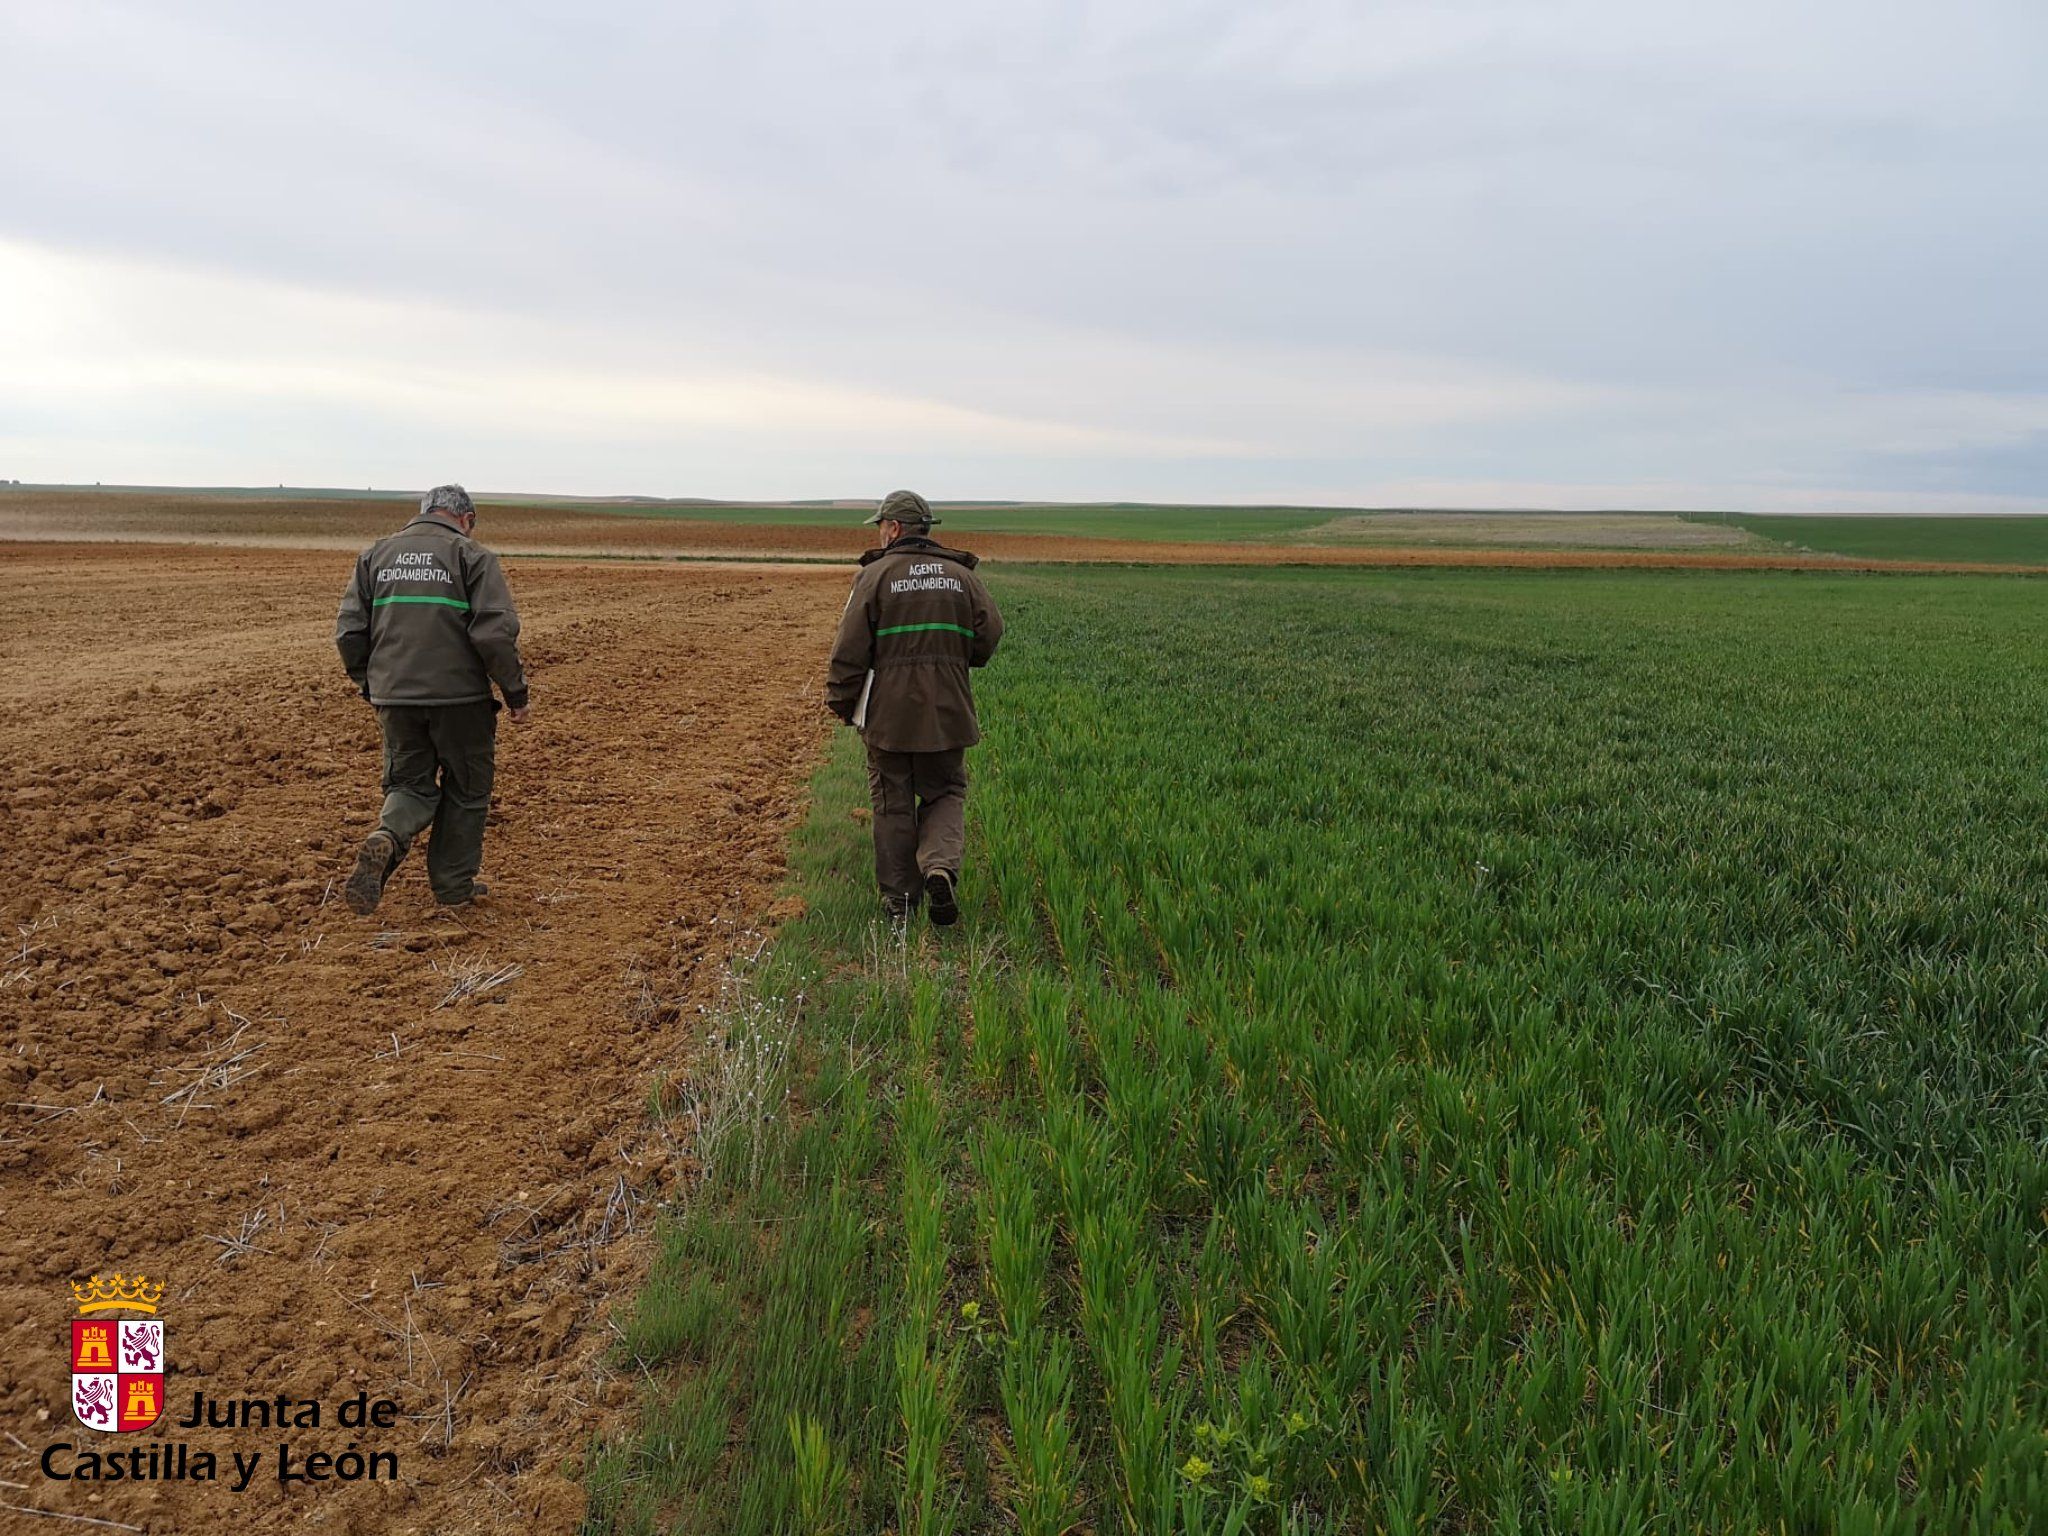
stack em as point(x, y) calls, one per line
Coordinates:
point(426, 627)
point(917, 619)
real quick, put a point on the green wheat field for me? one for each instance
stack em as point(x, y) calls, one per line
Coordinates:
point(1427, 1052)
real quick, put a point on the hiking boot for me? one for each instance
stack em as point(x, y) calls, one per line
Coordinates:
point(896, 909)
point(374, 861)
point(940, 902)
point(477, 888)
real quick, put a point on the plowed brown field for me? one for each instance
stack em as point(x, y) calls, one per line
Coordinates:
point(217, 1076)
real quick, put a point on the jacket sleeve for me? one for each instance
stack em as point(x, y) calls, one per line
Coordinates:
point(352, 626)
point(853, 651)
point(494, 628)
point(988, 626)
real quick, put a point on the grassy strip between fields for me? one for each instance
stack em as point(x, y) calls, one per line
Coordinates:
point(1427, 1051)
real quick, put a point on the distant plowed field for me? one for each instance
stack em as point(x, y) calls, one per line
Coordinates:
point(1169, 536)
point(408, 1153)
point(1534, 530)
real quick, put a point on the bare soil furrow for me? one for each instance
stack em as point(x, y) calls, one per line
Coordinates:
point(356, 1166)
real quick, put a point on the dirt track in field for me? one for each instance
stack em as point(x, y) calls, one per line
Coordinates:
point(372, 1191)
point(321, 523)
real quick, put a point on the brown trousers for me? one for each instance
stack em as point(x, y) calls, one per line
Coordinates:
point(920, 805)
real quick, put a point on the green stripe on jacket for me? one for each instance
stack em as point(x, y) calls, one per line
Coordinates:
point(445, 602)
point(911, 629)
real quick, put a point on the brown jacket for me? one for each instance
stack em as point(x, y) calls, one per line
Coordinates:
point(428, 619)
point(920, 617)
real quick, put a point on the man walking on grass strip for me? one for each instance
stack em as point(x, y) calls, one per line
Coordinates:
point(425, 628)
point(917, 619)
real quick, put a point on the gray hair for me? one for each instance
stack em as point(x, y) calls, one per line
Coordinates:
point(451, 499)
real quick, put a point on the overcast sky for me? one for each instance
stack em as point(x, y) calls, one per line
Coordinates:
point(1782, 255)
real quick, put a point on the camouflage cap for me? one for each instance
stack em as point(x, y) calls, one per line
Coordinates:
point(906, 507)
point(451, 499)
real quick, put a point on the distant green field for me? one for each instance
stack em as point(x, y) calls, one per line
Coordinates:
point(1992, 540)
point(1108, 520)
point(1480, 1052)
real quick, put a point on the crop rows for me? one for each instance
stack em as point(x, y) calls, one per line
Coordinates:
point(1434, 1052)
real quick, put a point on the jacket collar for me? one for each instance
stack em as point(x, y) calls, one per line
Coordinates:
point(918, 544)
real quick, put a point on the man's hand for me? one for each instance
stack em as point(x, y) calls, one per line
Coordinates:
point(519, 715)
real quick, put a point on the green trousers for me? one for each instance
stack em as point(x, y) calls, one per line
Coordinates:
point(439, 760)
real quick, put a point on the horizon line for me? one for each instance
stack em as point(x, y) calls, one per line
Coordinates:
point(849, 503)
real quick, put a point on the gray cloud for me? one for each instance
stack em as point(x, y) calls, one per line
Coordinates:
point(1747, 253)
